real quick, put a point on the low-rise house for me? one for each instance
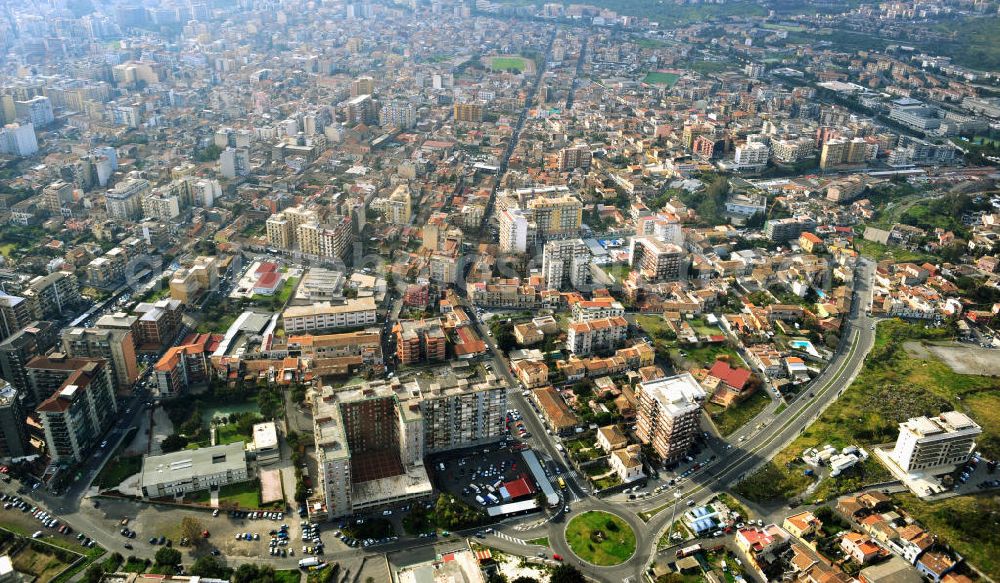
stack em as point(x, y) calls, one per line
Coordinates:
point(802, 524)
point(558, 416)
point(531, 373)
point(627, 463)
point(860, 548)
point(610, 438)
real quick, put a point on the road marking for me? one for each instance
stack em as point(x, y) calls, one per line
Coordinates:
point(507, 537)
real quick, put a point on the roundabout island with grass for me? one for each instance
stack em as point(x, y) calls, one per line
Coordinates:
point(600, 538)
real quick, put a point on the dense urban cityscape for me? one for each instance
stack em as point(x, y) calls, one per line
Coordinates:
point(499, 291)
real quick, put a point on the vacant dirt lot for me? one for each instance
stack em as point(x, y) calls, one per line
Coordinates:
point(961, 358)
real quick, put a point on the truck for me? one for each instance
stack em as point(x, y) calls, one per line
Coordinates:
point(308, 562)
point(688, 551)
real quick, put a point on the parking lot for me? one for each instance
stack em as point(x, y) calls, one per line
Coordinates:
point(457, 472)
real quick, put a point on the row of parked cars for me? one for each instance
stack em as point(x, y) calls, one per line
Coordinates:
point(255, 515)
point(47, 520)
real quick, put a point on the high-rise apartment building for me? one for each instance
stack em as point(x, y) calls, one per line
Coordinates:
point(234, 162)
point(18, 140)
point(362, 86)
point(656, 260)
point(399, 208)
point(578, 156)
point(116, 346)
point(398, 114)
point(37, 111)
point(78, 412)
point(57, 195)
point(360, 109)
point(15, 313)
point(668, 413)
point(420, 341)
point(13, 423)
point(935, 444)
point(556, 217)
point(124, 201)
point(468, 112)
point(15, 352)
point(566, 264)
point(514, 231)
point(53, 295)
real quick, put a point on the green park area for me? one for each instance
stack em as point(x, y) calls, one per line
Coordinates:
point(898, 382)
point(600, 538)
point(729, 419)
point(508, 63)
point(657, 78)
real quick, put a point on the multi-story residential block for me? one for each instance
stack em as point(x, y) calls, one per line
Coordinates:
point(934, 444)
point(234, 162)
point(668, 413)
point(364, 346)
point(399, 114)
point(331, 239)
point(57, 195)
point(189, 283)
point(788, 228)
point(578, 156)
point(116, 346)
point(468, 112)
point(656, 260)
point(503, 293)
point(182, 366)
point(79, 411)
point(15, 352)
point(158, 322)
point(36, 111)
point(326, 316)
point(566, 264)
point(399, 207)
point(556, 217)
point(15, 314)
point(13, 423)
point(420, 341)
point(124, 201)
point(53, 295)
point(583, 338)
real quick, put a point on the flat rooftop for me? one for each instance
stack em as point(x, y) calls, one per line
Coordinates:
point(186, 464)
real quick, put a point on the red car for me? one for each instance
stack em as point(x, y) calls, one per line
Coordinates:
point(556, 557)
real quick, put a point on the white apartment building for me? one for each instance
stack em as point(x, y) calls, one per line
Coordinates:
point(668, 412)
point(327, 316)
point(935, 443)
point(513, 231)
point(124, 201)
point(583, 338)
point(566, 264)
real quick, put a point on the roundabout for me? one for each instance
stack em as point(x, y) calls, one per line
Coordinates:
point(600, 538)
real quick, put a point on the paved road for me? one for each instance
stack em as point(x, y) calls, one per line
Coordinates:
point(759, 447)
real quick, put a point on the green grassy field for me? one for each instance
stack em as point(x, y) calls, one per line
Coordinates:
point(288, 576)
point(728, 420)
point(878, 251)
point(600, 538)
point(967, 523)
point(507, 63)
point(892, 387)
point(668, 79)
point(117, 470)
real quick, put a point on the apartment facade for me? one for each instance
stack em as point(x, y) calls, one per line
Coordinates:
point(326, 316)
point(116, 346)
point(668, 413)
point(935, 443)
point(76, 415)
point(583, 338)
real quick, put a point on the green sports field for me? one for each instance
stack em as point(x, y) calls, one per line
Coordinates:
point(668, 79)
point(507, 63)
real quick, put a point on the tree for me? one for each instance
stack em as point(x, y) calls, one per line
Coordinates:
point(248, 573)
point(566, 574)
point(209, 566)
point(173, 442)
point(167, 556)
point(191, 529)
point(94, 573)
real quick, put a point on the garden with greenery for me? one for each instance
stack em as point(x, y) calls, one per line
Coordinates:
point(600, 538)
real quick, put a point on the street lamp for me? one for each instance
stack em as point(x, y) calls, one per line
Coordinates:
point(677, 500)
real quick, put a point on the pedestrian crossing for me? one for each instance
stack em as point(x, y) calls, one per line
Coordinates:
point(507, 537)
